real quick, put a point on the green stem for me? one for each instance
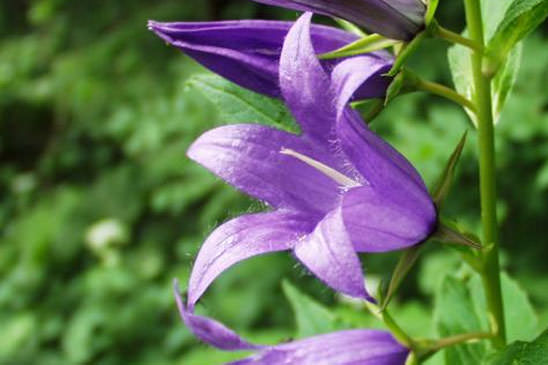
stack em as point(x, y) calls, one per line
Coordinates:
point(445, 92)
point(459, 339)
point(482, 98)
point(452, 37)
point(394, 327)
point(426, 349)
point(396, 330)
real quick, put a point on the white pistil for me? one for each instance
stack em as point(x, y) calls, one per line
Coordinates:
point(339, 178)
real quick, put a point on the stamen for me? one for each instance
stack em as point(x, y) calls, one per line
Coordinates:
point(339, 178)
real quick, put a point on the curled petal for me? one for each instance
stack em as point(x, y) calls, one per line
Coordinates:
point(352, 73)
point(209, 330)
point(397, 19)
point(242, 238)
point(352, 347)
point(248, 157)
point(306, 87)
point(330, 255)
point(381, 222)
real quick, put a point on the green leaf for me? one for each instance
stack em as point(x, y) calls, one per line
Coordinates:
point(461, 307)
point(460, 64)
point(501, 86)
point(367, 44)
point(406, 262)
point(454, 314)
point(522, 17)
point(523, 353)
point(238, 105)
point(443, 186)
point(519, 315)
point(407, 51)
point(493, 14)
point(312, 318)
point(504, 80)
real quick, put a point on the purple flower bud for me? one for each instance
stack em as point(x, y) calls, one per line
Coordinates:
point(247, 52)
point(396, 19)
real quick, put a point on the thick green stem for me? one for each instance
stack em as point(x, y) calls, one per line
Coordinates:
point(482, 98)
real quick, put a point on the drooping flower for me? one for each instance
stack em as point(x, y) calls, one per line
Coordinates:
point(396, 19)
point(358, 346)
point(247, 52)
point(336, 190)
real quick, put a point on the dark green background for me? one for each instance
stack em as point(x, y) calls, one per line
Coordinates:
point(95, 118)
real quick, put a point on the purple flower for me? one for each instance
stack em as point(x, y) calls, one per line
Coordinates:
point(359, 346)
point(397, 19)
point(247, 52)
point(336, 190)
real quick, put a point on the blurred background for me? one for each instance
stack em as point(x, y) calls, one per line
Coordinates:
point(100, 209)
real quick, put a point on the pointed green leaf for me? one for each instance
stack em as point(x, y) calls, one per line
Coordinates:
point(459, 238)
point(406, 262)
point(350, 27)
point(407, 52)
point(367, 44)
point(449, 235)
point(431, 11)
point(443, 186)
point(312, 318)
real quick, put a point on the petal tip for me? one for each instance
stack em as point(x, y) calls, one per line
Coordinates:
point(154, 26)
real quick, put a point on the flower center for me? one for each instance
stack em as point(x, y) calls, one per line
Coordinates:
point(333, 174)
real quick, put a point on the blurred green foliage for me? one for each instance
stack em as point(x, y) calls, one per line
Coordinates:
point(100, 209)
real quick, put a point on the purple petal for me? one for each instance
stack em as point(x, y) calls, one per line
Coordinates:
point(246, 52)
point(397, 19)
point(305, 85)
point(209, 330)
point(381, 222)
point(395, 210)
point(382, 166)
point(349, 76)
point(248, 157)
point(242, 238)
point(352, 347)
point(330, 255)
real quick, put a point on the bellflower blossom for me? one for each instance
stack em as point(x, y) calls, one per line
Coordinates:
point(247, 52)
point(396, 19)
point(358, 346)
point(336, 190)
